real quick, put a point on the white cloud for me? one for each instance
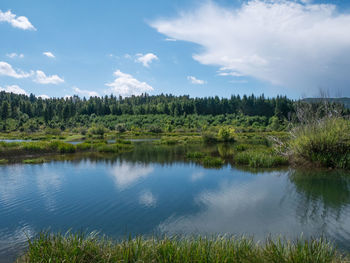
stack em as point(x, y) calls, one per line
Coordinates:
point(127, 85)
point(14, 89)
point(14, 55)
point(16, 21)
point(48, 54)
point(146, 59)
point(40, 77)
point(170, 39)
point(196, 81)
point(7, 70)
point(291, 44)
point(87, 93)
point(43, 96)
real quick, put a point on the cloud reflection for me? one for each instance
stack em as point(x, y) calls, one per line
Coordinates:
point(148, 199)
point(256, 207)
point(126, 174)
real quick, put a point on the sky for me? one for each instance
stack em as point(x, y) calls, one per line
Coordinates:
point(61, 48)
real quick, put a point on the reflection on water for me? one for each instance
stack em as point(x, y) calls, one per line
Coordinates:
point(125, 174)
point(154, 189)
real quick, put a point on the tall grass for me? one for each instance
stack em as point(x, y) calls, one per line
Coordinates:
point(80, 248)
point(325, 142)
point(260, 159)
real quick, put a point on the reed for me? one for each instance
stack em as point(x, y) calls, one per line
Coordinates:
point(92, 248)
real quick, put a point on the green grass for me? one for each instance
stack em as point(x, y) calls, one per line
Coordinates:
point(212, 162)
point(81, 248)
point(195, 155)
point(260, 159)
point(324, 143)
point(34, 161)
point(4, 161)
point(59, 147)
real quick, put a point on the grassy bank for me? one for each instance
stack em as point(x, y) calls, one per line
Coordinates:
point(79, 248)
point(39, 148)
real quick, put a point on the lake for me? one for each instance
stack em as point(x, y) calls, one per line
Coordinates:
point(155, 190)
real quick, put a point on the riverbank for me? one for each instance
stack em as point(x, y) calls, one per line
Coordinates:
point(92, 248)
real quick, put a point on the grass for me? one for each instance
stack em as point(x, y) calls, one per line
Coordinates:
point(82, 248)
point(4, 161)
point(195, 155)
point(59, 147)
point(260, 159)
point(212, 162)
point(324, 143)
point(34, 161)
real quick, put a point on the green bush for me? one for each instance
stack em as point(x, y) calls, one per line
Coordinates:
point(326, 142)
point(226, 134)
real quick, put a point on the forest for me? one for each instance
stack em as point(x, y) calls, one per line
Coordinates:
point(157, 113)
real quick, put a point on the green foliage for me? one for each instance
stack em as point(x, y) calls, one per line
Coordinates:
point(209, 137)
point(98, 130)
point(325, 142)
point(34, 161)
point(195, 155)
point(82, 248)
point(212, 162)
point(260, 159)
point(226, 134)
point(4, 161)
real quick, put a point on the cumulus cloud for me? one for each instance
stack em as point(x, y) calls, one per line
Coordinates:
point(48, 54)
point(297, 45)
point(21, 22)
point(87, 93)
point(41, 78)
point(7, 70)
point(146, 59)
point(14, 89)
point(127, 85)
point(43, 96)
point(14, 55)
point(196, 81)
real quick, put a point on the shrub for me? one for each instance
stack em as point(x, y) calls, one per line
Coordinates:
point(325, 142)
point(226, 134)
point(97, 130)
point(209, 137)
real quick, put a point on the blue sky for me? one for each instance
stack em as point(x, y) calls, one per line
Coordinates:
point(198, 48)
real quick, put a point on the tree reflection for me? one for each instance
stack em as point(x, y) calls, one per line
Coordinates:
point(323, 192)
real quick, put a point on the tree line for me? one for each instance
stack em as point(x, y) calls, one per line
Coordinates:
point(21, 106)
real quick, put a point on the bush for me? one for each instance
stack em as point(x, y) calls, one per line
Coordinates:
point(226, 134)
point(209, 137)
point(97, 130)
point(325, 142)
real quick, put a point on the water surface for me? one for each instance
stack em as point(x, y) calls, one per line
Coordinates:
point(155, 190)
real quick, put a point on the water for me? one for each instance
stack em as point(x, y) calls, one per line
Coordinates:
point(154, 190)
